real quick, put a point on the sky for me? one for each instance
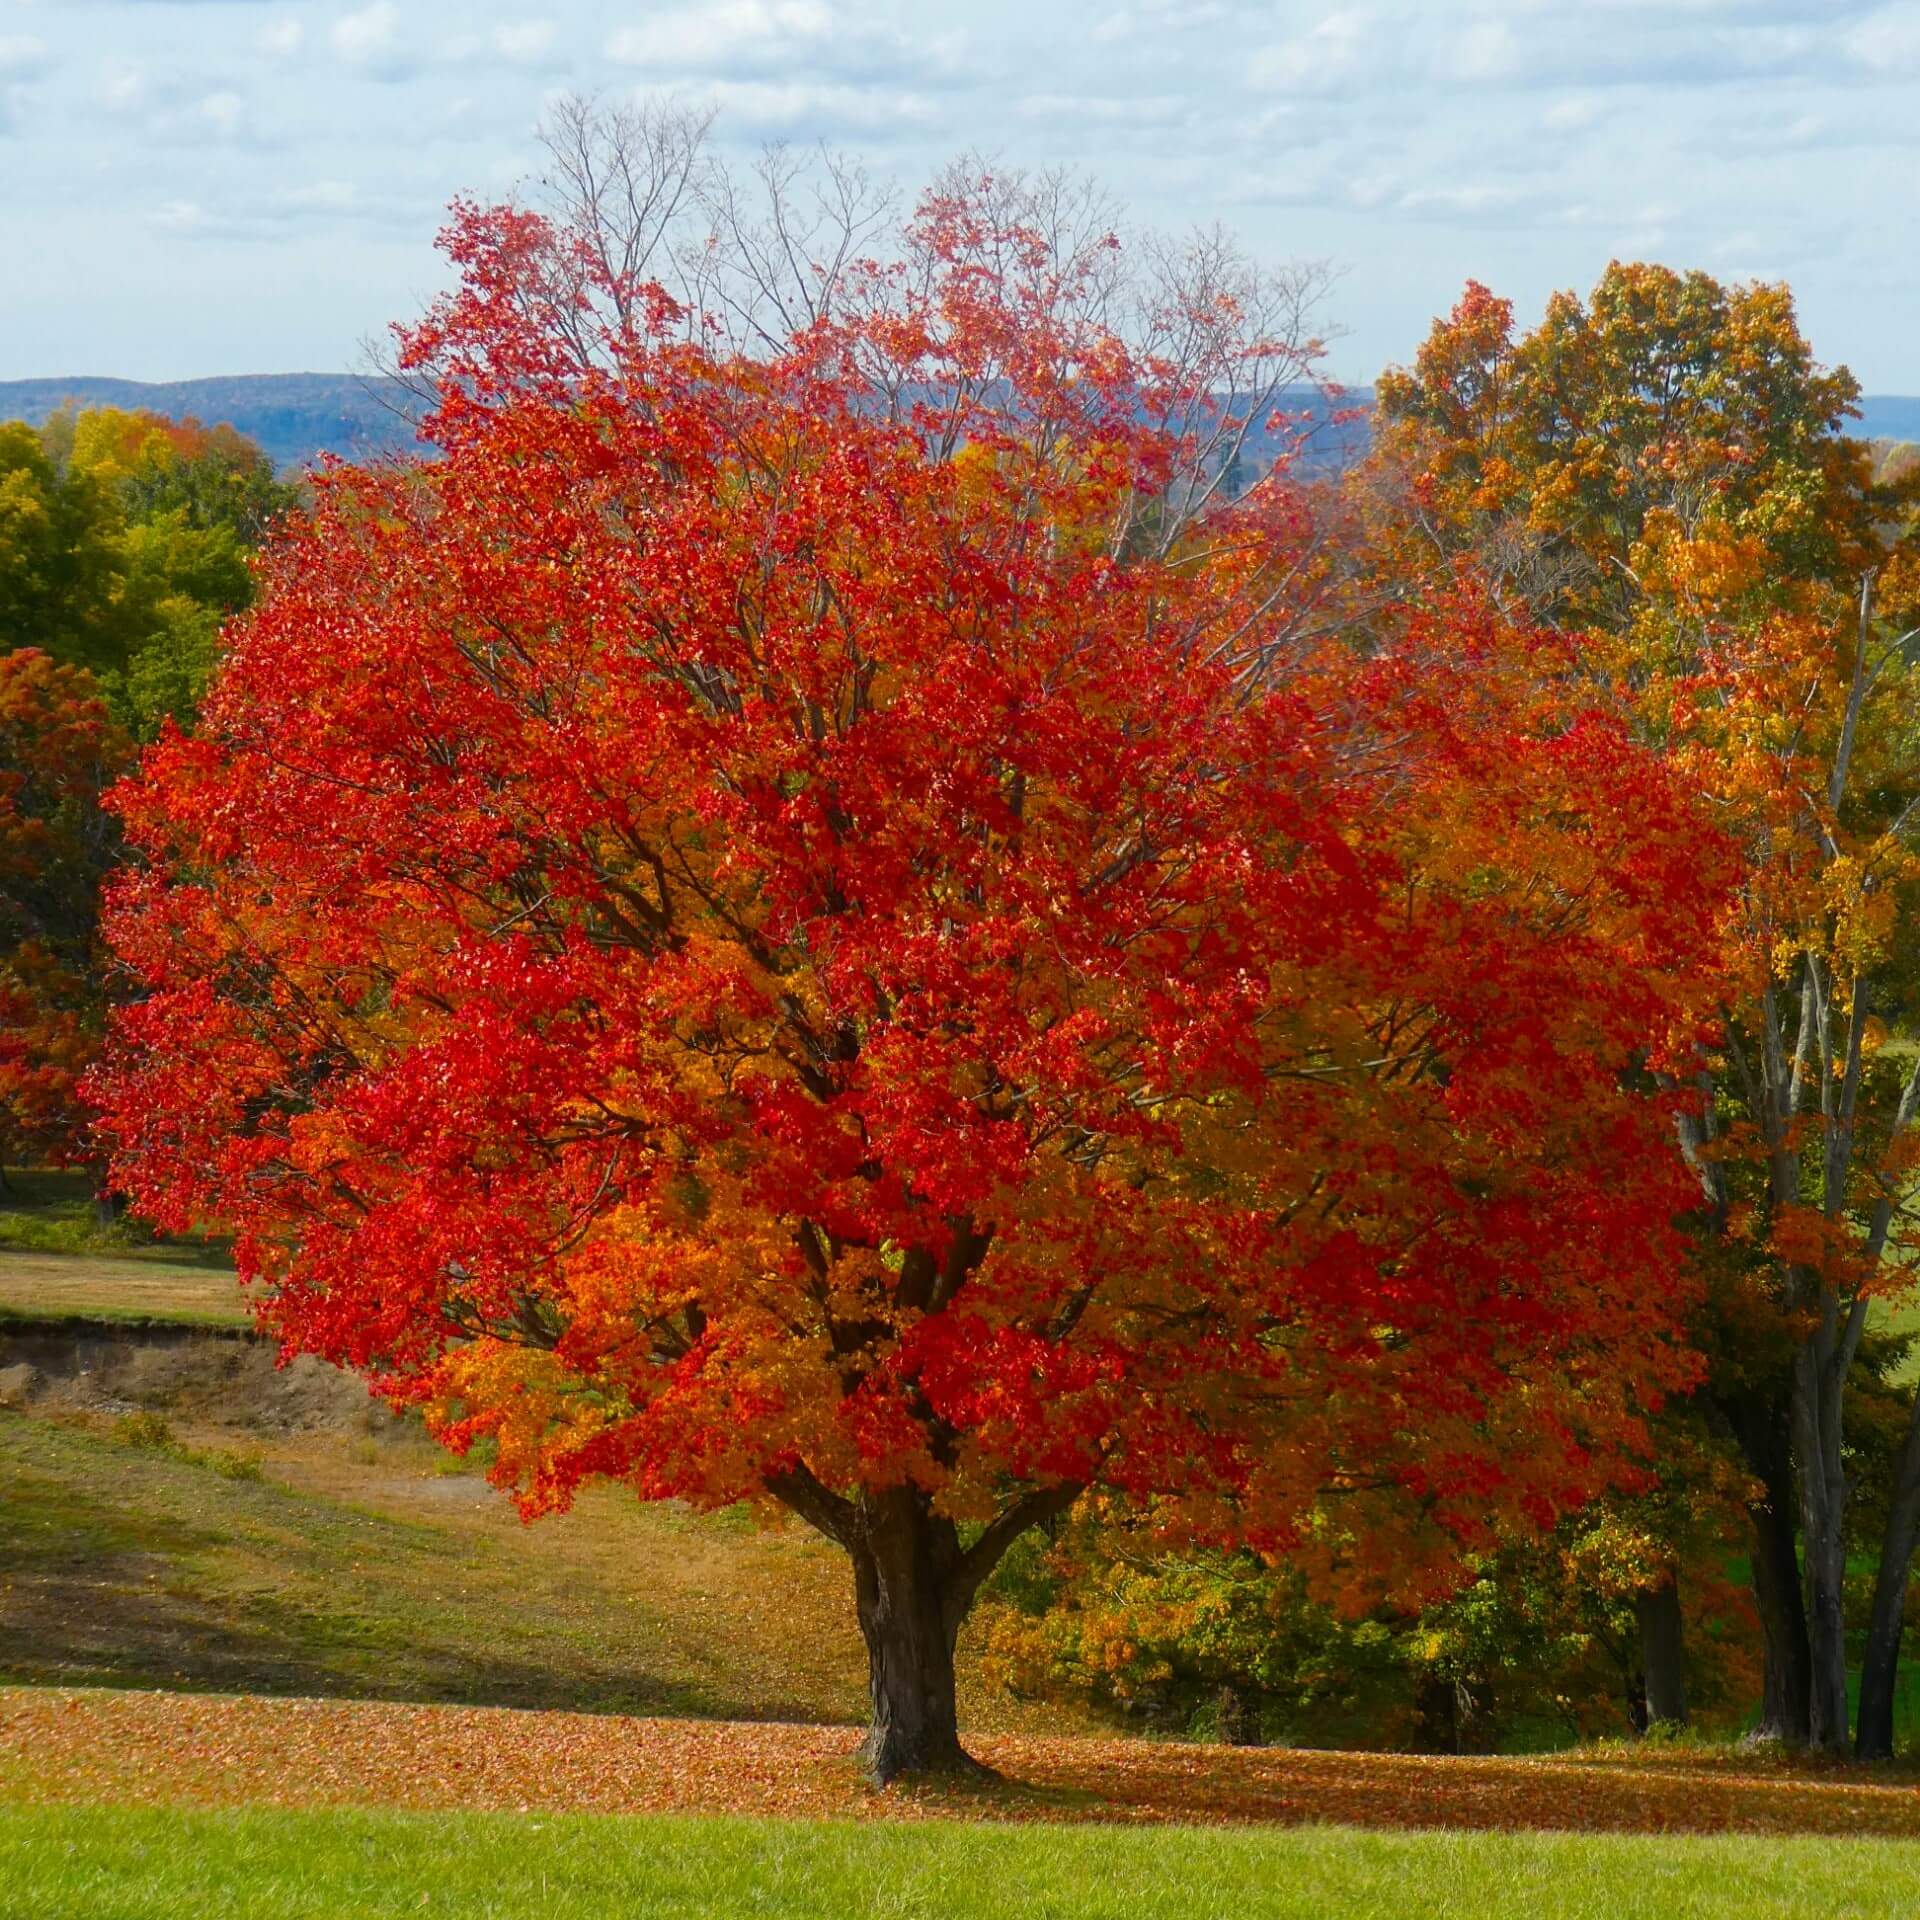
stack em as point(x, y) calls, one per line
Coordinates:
point(194, 187)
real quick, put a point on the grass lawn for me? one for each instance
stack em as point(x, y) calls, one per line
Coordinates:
point(120, 1864)
point(92, 1286)
point(342, 1563)
point(58, 1260)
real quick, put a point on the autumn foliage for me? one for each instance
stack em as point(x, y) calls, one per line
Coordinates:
point(784, 927)
point(59, 751)
point(1663, 469)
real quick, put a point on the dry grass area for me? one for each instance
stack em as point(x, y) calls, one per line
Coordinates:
point(287, 1536)
point(115, 1287)
point(177, 1749)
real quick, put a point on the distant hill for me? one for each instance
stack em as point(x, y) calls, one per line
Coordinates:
point(297, 417)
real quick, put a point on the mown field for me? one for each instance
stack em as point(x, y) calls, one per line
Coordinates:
point(64, 1864)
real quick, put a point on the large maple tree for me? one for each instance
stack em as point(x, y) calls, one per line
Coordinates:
point(816, 927)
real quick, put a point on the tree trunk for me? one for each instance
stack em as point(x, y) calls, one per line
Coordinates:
point(1823, 1501)
point(1435, 1707)
point(1759, 1424)
point(1663, 1659)
point(1880, 1666)
point(1236, 1717)
point(1786, 1692)
point(913, 1583)
point(903, 1584)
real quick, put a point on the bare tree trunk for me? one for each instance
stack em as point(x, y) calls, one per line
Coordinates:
point(1786, 1691)
point(1759, 1424)
point(1880, 1667)
point(1436, 1716)
point(1237, 1717)
point(1663, 1657)
point(1823, 1502)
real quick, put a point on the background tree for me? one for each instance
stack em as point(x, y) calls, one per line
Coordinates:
point(817, 927)
point(59, 750)
point(1663, 470)
point(123, 547)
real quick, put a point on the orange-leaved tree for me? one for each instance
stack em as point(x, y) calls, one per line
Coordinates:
point(814, 927)
point(1663, 470)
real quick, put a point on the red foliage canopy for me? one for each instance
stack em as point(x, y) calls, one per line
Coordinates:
point(755, 927)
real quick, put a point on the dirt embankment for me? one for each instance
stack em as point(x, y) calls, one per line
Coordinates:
point(216, 1376)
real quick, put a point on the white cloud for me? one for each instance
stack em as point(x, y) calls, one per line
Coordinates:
point(124, 92)
point(1487, 50)
point(527, 42)
point(324, 196)
point(1158, 16)
point(369, 37)
point(282, 39)
point(21, 54)
point(1332, 54)
point(1888, 40)
point(1571, 116)
point(809, 111)
point(1116, 110)
point(1468, 202)
point(222, 111)
point(723, 33)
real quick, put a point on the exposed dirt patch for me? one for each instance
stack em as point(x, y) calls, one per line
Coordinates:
point(224, 1379)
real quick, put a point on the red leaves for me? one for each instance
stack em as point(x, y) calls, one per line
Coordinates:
point(703, 933)
point(59, 750)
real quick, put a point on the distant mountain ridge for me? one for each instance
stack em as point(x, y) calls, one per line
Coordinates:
point(296, 417)
point(293, 417)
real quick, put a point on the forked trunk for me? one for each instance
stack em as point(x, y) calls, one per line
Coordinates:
point(912, 1585)
point(905, 1595)
point(1880, 1664)
point(1663, 1658)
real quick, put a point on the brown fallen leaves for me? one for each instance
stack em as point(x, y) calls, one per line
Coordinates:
point(159, 1748)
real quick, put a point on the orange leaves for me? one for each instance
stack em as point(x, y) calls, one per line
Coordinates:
point(174, 1749)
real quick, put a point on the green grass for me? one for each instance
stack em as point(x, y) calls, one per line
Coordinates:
point(51, 1210)
point(118, 1864)
point(1902, 1316)
point(47, 1309)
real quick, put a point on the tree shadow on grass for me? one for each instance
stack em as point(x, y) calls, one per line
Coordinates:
point(129, 1569)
